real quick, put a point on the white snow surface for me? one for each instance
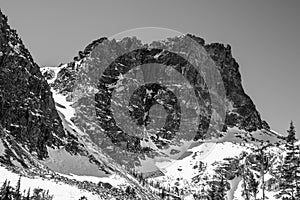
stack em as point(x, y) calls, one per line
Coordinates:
point(64, 106)
point(114, 180)
point(60, 191)
point(207, 153)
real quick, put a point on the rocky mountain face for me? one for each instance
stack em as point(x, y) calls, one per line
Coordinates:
point(28, 111)
point(27, 107)
point(78, 83)
point(244, 113)
point(240, 111)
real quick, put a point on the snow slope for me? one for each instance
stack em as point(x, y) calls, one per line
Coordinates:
point(186, 174)
point(60, 191)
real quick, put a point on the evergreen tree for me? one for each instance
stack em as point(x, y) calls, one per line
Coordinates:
point(262, 166)
point(3, 189)
point(244, 173)
point(40, 194)
point(18, 194)
point(163, 193)
point(222, 188)
point(262, 170)
point(128, 190)
point(7, 192)
point(290, 177)
point(253, 185)
point(211, 193)
point(245, 192)
point(291, 138)
point(217, 188)
point(28, 195)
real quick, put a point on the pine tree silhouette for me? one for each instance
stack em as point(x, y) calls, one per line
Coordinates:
point(28, 195)
point(290, 177)
point(18, 194)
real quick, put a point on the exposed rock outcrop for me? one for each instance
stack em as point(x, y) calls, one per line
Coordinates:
point(26, 104)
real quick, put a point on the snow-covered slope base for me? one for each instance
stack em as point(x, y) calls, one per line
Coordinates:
point(229, 158)
point(59, 190)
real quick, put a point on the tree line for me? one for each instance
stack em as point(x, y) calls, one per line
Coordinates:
point(9, 192)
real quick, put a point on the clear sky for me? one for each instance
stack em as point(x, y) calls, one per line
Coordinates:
point(264, 35)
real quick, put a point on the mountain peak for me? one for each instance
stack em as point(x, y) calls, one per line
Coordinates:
point(243, 113)
point(27, 106)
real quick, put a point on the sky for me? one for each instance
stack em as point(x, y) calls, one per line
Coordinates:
point(264, 36)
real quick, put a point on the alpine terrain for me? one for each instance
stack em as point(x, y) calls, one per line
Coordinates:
point(129, 120)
